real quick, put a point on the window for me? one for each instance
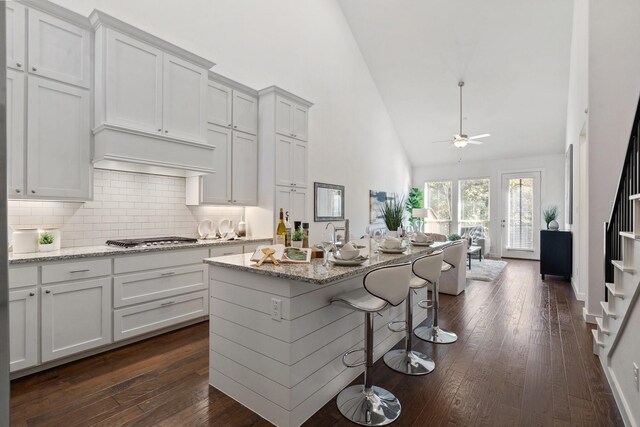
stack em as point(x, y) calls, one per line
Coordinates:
point(437, 197)
point(473, 206)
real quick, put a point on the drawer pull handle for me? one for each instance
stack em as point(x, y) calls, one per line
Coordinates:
point(167, 303)
point(80, 271)
point(32, 294)
point(168, 274)
point(48, 291)
point(228, 253)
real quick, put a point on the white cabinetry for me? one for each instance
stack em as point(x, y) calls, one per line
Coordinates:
point(233, 123)
point(15, 132)
point(23, 321)
point(291, 162)
point(15, 43)
point(293, 200)
point(76, 316)
point(150, 103)
point(292, 118)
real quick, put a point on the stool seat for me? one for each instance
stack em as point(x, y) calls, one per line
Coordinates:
point(446, 266)
point(361, 300)
point(417, 283)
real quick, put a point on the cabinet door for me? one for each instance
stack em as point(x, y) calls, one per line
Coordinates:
point(59, 50)
point(133, 88)
point(284, 152)
point(23, 329)
point(283, 200)
point(15, 133)
point(219, 104)
point(75, 317)
point(298, 205)
point(216, 187)
point(284, 116)
point(299, 164)
point(245, 113)
point(244, 168)
point(300, 122)
point(58, 141)
point(16, 36)
point(183, 106)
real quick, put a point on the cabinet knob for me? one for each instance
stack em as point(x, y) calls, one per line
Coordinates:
point(17, 190)
point(295, 136)
point(18, 64)
point(34, 69)
point(32, 294)
point(48, 291)
point(229, 124)
point(159, 130)
point(166, 131)
point(234, 201)
point(33, 191)
point(235, 127)
point(229, 200)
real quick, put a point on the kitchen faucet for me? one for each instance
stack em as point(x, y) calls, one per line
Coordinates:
point(345, 238)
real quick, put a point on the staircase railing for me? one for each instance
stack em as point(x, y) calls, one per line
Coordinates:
point(621, 218)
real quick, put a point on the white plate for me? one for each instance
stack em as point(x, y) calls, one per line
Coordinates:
point(224, 227)
point(392, 251)
point(205, 229)
point(421, 243)
point(346, 262)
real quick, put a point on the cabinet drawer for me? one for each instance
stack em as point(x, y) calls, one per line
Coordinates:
point(23, 276)
point(143, 287)
point(75, 270)
point(139, 319)
point(164, 259)
point(226, 250)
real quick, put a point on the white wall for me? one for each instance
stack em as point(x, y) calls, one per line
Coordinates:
point(552, 191)
point(614, 85)
point(576, 124)
point(305, 47)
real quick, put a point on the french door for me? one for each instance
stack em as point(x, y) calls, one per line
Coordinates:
point(520, 224)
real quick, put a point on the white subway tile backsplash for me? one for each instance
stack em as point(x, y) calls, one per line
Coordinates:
point(125, 205)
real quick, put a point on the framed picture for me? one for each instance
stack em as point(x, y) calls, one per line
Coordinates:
point(568, 185)
point(376, 200)
point(328, 202)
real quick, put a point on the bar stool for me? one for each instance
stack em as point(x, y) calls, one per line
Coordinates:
point(366, 404)
point(405, 360)
point(451, 258)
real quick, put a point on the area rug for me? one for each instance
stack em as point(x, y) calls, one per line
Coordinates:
point(487, 270)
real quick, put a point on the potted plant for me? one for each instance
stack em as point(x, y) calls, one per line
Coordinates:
point(453, 237)
point(393, 212)
point(550, 214)
point(415, 200)
point(297, 238)
point(45, 242)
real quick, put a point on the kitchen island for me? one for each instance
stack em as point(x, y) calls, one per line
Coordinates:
point(276, 342)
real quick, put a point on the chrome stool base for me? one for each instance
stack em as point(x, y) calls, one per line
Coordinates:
point(435, 335)
point(377, 407)
point(409, 362)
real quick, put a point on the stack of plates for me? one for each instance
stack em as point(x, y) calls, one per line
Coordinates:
point(346, 262)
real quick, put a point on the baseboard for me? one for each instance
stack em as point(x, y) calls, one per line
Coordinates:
point(617, 395)
point(580, 296)
point(589, 318)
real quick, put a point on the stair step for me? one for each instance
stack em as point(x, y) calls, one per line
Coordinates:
point(620, 266)
point(612, 290)
point(630, 235)
point(635, 197)
point(594, 332)
point(601, 327)
point(605, 310)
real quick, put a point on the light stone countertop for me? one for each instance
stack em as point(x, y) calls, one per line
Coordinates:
point(314, 272)
point(105, 251)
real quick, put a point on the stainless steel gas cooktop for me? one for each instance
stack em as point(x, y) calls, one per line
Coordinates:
point(151, 241)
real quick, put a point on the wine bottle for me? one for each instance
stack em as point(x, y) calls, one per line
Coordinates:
point(281, 231)
point(287, 226)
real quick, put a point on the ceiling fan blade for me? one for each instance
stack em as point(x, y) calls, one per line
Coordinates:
point(471, 141)
point(484, 135)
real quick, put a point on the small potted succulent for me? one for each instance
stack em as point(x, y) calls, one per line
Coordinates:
point(297, 238)
point(45, 242)
point(550, 215)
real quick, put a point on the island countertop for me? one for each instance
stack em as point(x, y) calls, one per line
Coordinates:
point(316, 273)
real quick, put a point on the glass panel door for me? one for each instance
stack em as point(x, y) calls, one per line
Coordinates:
point(520, 224)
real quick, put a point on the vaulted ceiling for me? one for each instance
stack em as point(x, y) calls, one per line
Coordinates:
point(513, 56)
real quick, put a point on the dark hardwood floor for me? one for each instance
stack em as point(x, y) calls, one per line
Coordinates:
point(523, 358)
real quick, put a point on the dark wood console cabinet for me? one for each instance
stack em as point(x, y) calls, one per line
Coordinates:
point(556, 253)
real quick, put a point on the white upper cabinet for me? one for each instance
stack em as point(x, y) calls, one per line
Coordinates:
point(300, 122)
point(15, 42)
point(15, 133)
point(291, 162)
point(59, 50)
point(133, 83)
point(292, 200)
point(244, 169)
point(219, 104)
point(245, 113)
point(299, 160)
point(291, 119)
point(216, 187)
point(58, 141)
point(185, 89)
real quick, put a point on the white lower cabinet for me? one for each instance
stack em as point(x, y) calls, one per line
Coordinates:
point(139, 319)
point(23, 324)
point(75, 317)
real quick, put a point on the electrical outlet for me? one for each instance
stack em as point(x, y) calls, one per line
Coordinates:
point(276, 309)
point(636, 376)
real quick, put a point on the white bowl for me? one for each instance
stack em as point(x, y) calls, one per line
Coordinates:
point(348, 254)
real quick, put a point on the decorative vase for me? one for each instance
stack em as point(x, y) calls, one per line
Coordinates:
point(296, 244)
point(393, 233)
point(46, 248)
point(553, 225)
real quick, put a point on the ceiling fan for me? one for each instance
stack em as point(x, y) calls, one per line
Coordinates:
point(461, 140)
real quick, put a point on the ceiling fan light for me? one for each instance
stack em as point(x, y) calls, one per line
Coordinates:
point(460, 143)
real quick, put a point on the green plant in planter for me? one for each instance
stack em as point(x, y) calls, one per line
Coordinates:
point(298, 235)
point(453, 237)
point(45, 238)
point(550, 214)
point(393, 212)
point(415, 200)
